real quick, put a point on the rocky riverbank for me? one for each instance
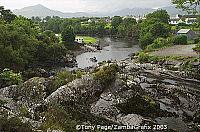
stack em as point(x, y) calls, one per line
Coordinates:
point(137, 94)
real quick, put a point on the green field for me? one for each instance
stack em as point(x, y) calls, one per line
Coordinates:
point(87, 39)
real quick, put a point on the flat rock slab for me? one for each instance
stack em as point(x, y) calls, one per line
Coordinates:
point(177, 50)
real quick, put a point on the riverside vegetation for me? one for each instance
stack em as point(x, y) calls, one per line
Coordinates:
point(142, 89)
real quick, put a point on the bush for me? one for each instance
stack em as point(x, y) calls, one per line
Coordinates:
point(13, 124)
point(143, 105)
point(24, 112)
point(145, 40)
point(180, 39)
point(197, 48)
point(159, 43)
point(106, 75)
point(144, 58)
point(196, 40)
point(57, 118)
point(61, 78)
point(8, 77)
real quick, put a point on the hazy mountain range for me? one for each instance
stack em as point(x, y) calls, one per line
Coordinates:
point(42, 11)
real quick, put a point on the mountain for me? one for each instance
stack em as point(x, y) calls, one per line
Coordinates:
point(133, 11)
point(172, 10)
point(42, 11)
point(38, 10)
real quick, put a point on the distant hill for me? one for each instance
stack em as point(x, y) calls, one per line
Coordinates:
point(42, 11)
point(38, 10)
point(173, 10)
point(133, 11)
point(142, 11)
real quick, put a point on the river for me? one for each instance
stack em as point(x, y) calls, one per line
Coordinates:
point(117, 49)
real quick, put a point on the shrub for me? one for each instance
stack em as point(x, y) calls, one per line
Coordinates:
point(8, 77)
point(196, 40)
point(13, 124)
point(180, 39)
point(57, 118)
point(2, 102)
point(143, 57)
point(79, 74)
point(106, 75)
point(145, 40)
point(24, 112)
point(197, 48)
point(61, 78)
point(159, 43)
point(143, 105)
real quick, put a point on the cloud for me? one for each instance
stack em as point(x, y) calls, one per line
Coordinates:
point(86, 5)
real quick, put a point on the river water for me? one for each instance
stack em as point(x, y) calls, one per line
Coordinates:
point(116, 50)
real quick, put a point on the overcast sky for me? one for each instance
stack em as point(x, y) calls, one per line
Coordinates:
point(85, 5)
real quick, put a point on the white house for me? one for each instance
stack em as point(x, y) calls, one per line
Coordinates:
point(174, 21)
point(79, 40)
point(190, 21)
point(89, 21)
point(187, 19)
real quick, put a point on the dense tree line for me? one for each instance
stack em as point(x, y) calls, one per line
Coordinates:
point(24, 45)
point(97, 26)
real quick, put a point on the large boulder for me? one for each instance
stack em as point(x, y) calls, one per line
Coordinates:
point(8, 92)
point(33, 90)
point(84, 89)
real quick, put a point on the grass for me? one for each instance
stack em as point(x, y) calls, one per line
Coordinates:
point(87, 39)
point(147, 58)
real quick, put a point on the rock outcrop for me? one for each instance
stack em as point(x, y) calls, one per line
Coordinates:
point(140, 94)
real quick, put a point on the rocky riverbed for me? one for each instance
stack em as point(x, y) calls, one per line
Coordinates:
point(140, 95)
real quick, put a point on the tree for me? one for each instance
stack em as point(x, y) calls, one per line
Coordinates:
point(146, 39)
point(159, 29)
point(52, 36)
point(126, 27)
point(156, 25)
point(161, 15)
point(116, 21)
point(47, 18)
point(191, 6)
point(129, 21)
point(68, 35)
point(54, 25)
point(27, 25)
point(6, 15)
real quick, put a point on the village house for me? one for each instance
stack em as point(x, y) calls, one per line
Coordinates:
point(79, 40)
point(190, 21)
point(187, 32)
point(139, 18)
point(186, 19)
point(89, 21)
point(174, 21)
